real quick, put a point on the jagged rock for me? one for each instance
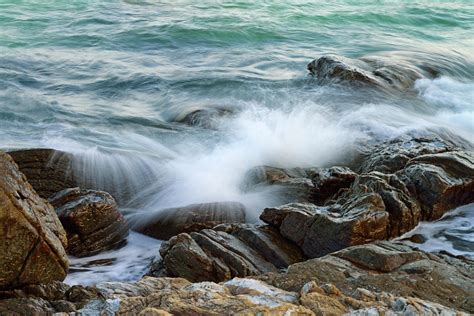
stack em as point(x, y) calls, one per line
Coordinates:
point(329, 181)
point(47, 170)
point(225, 252)
point(440, 182)
point(173, 221)
point(91, 219)
point(32, 239)
point(374, 73)
point(380, 278)
point(356, 219)
point(386, 267)
point(380, 206)
point(392, 155)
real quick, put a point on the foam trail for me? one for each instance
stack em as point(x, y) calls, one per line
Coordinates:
point(125, 264)
point(453, 233)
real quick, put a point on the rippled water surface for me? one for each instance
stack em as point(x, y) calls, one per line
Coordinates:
point(109, 81)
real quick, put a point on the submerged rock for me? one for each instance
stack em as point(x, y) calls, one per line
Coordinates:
point(91, 219)
point(226, 251)
point(173, 221)
point(47, 170)
point(203, 117)
point(315, 185)
point(32, 240)
point(366, 71)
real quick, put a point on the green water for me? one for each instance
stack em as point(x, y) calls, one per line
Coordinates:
point(109, 80)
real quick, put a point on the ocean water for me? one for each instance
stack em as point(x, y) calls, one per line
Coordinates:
point(110, 80)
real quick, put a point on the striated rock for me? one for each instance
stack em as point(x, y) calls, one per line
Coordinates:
point(173, 221)
point(91, 219)
point(392, 155)
point(386, 267)
point(440, 182)
point(226, 252)
point(366, 71)
point(47, 170)
point(378, 206)
point(32, 238)
point(358, 219)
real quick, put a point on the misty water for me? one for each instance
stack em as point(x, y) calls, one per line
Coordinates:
point(110, 82)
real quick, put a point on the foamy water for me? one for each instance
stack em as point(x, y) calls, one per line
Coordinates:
point(108, 82)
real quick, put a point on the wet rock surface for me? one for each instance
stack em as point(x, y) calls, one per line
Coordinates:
point(32, 239)
point(47, 170)
point(195, 217)
point(365, 71)
point(226, 251)
point(315, 185)
point(91, 220)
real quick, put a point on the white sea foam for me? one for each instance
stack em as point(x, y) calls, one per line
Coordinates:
point(454, 233)
point(126, 264)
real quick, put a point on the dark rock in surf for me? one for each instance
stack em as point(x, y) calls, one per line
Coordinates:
point(227, 251)
point(173, 221)
point(32, 240)
point(203, 117)
point(47, 170)
point(315, 185)
point(365, 71)
point(91, 219)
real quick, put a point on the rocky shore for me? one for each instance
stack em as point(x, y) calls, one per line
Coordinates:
point(329, 251)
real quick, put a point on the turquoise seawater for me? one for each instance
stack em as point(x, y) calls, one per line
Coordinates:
point(108, 81)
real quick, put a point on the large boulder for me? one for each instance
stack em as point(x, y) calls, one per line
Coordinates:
point(47, 170)
point(91, 219)
point(32, 240)
point(191, 218)
point(226, 251)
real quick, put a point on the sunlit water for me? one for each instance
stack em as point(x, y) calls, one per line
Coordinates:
point(108, 80)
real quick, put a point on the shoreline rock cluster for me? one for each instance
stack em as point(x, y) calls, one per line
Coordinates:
point(339, 217)
point(326, 251)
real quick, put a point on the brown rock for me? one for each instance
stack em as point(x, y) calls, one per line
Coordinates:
point(32, 238)
point(192, 218)
point(91, 219)
point(47, 170)
point(386, 267)
point(225, 252)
